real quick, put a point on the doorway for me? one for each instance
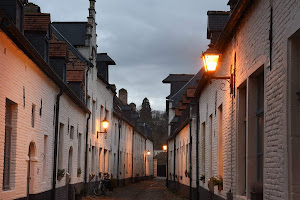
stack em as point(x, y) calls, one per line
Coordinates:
point(31, 169)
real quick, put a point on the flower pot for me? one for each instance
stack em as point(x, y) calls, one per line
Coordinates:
point(78, 175)
point(59, 178)
point(256, 196)
point(203, 181)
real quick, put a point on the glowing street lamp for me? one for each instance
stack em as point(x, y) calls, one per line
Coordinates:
point(210, 60)
point(105, 125)
point(165, 148)
point(148, 153)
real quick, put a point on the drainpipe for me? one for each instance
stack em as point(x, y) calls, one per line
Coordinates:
point(86, 148)
point(197, 148)
point(190, 149)
point(167, 179)
point(174, 158)
point(118, 166)
point(86, 83)
point(55, 143)
point(132, 155)
point(145, 158)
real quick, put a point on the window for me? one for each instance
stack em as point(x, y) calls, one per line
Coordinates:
point(32, 115)
point(220, 141)
point(45, 156)
point(101, 117)
point(70, 161)
point(93, 117)
point(203, 148)
point(72, 132)
point(100, 160)
point(10, 117)
point(242, 139)
point(61, 146)
point(116, 133)
point(79, 151)
point(260, 127)
point(93, 159)
point(210, 146)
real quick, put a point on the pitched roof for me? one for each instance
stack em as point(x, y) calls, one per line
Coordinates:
point(24, 45)
point(74, 32)
point(178, 78)
point(70, 46)
point(58, 49)
point(216, 21)
point(192, 83)
point(103, 57)
point(36, 21)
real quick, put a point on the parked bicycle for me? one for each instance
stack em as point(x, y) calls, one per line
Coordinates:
point(103, 185)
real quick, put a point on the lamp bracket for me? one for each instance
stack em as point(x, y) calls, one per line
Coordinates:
point(101, 132)
point(229, 79)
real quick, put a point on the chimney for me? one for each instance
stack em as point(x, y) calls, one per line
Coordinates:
point(133, 107)
point(123, 96)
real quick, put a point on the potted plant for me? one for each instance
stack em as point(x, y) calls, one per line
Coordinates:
point(218, 181)
point(91, 176)
point(79, 171)
point(257, 191)
point(60, 174)
point(202, 178)
point(180, 177)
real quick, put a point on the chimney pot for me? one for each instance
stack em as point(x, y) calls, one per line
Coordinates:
point(123, 96)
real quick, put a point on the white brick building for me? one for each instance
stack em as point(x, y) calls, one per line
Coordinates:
point(46, 127)
point(250, 137)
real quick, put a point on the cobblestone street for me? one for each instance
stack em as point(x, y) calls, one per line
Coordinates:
point(154, 189)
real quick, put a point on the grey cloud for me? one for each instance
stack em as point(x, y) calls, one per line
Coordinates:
point(148, 39)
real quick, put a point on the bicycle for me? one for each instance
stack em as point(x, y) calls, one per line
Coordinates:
point(100, 188)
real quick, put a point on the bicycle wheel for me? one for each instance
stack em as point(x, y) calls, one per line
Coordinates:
point(97, 189)
point(103, 189)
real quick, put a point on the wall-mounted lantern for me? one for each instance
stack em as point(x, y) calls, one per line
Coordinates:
point(104, 124)
point(165, 148)
point(210, 60)
point(148, 153)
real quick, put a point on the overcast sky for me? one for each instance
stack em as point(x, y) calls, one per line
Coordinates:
point(148, 39)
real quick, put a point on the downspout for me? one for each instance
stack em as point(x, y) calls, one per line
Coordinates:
point(118, 166)
point(197, 147)
point(55, 143)
point(132, 156)
point(145, 159)
point(86, 148)
point(174, 158)
point(271, 36)
point(86, 83)
point(190, 157)
point(167, 179)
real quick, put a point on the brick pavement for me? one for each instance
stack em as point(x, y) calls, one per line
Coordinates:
point(154, 189)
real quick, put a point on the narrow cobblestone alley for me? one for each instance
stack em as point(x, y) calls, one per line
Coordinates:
point(154, 189)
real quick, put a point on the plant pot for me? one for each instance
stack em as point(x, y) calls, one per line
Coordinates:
point(256, 196)
point(78, 175)
point(203, 181)
point(220, 187)
point(59, 178)
point(78, 197)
